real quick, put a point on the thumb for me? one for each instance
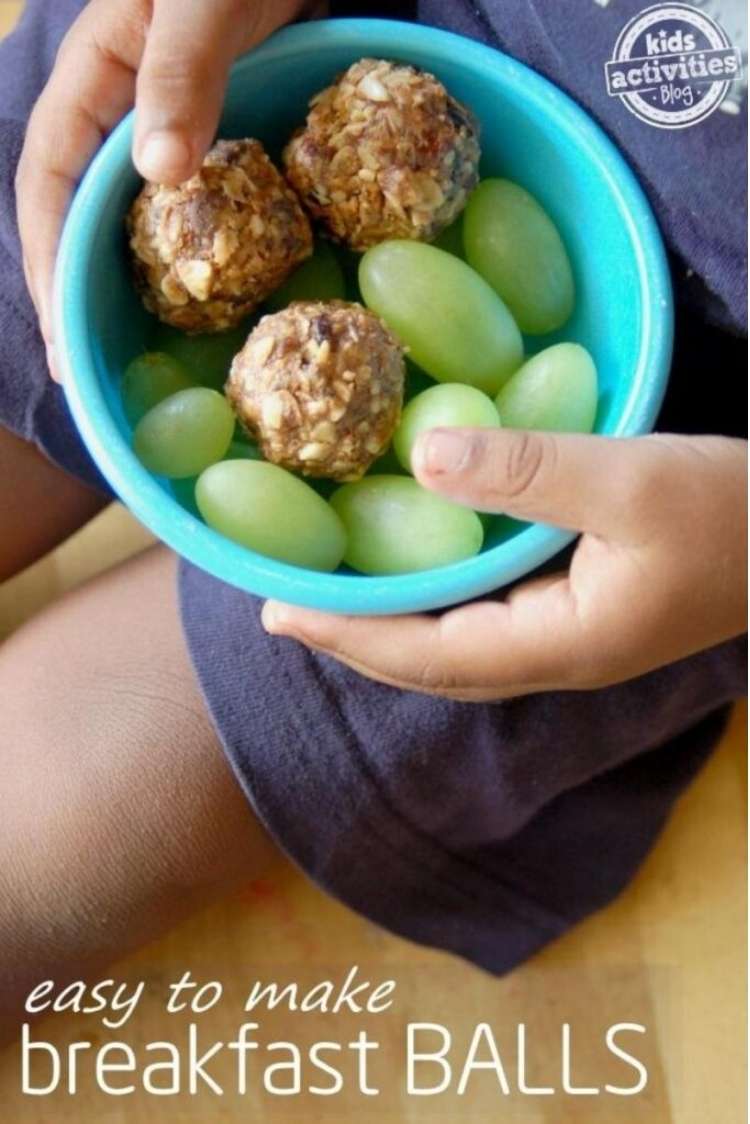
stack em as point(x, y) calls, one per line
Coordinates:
point(190, 47)
point(601, 485)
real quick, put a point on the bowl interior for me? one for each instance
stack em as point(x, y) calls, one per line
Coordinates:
point(531, 133)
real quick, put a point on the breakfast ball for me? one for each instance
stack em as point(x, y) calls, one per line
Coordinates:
point(208, 252)
point(319, 386)
point(386, 153)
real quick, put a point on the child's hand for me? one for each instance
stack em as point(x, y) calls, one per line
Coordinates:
point(659, 573)
point(172, 58)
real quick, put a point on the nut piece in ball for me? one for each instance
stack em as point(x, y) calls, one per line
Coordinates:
point(208, 252)
point(386, 153)
point(319, 386)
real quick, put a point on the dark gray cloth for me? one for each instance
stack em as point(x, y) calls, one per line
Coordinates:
point(487, 830)
point(695, 177)
point(30, 403)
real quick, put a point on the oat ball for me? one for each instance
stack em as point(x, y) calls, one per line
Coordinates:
point(386, 153)
point(319, 386)
point(208, 252)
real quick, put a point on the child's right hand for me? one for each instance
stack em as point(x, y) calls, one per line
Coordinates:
point(659, 573)
point(169, 57)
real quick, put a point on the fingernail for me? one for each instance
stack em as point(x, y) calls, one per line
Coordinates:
point(444, 451)
point(163, 154)
point(272, 617)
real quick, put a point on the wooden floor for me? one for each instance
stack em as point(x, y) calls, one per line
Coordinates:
point(670, 954)
point(9, 10)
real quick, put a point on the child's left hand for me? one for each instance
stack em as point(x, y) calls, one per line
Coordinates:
point(658, 574)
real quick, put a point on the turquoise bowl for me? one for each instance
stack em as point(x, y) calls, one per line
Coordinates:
point(532, 133)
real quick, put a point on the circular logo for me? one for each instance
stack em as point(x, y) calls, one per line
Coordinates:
point(672, 66)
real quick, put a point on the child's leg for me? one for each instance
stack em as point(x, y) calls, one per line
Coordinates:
point(40, 505)
point(118, 812)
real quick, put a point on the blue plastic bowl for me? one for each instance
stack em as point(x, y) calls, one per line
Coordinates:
point(532, 133)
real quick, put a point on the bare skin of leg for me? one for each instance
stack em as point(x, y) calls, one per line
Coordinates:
point(118, 812)
point(40, 505)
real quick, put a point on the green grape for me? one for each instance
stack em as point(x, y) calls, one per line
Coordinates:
point(206, 357)
point(319, 278)
point(554, 390)
point(267, 509)
point(242, 449)
point(452, 238)
point(149, 379)
point(449, 404)
point(185, 433)
point(454, 324)
point(394, 526)
point(516, 247)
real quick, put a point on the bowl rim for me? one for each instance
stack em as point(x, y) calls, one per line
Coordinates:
point(267, 577)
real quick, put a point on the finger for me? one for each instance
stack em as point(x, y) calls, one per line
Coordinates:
point(487, 650)
point(86, 96)
point(44, 186)
point(190, 47)
point(602, 485)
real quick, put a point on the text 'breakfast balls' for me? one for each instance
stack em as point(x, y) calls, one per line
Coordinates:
point(319, 386)
point(386, 153)
point(209, 251)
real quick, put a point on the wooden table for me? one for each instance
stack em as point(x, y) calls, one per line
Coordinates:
point(670, 954)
